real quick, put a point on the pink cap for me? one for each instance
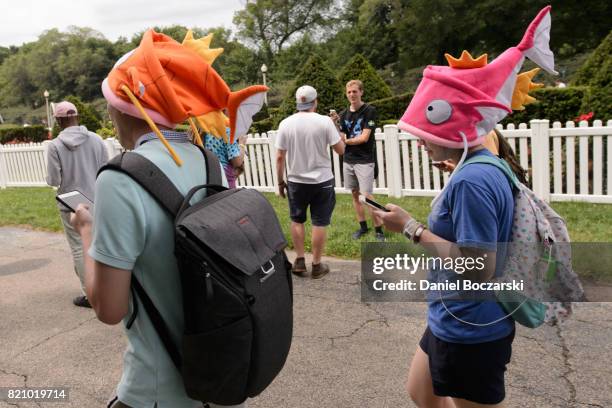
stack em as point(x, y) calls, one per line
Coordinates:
point(65, 109)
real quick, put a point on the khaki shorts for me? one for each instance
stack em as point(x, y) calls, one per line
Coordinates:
point(359, 177)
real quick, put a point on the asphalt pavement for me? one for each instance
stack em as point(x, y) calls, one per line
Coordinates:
point(345, 353)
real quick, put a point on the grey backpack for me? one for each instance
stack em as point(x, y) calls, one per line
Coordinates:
point(539, 254)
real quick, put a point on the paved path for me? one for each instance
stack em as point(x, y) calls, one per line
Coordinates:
point(345, 353)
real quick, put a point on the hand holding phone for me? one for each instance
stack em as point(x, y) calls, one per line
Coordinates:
point(72, 199)
point(377, 206)
point(334, 116)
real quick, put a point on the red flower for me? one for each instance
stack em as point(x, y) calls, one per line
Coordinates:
point(585, 116)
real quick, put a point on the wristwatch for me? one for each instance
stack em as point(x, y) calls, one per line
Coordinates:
point(413, 230)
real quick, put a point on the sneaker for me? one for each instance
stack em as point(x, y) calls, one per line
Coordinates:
point(360, 233)
point(81, 301)
point(380, 237)
point(299, 267)
point(319, 270)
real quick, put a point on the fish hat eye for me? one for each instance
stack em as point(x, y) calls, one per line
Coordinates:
point(438, 111)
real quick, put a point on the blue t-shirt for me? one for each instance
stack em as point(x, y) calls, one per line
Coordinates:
point(476, 211)
point(224, 151)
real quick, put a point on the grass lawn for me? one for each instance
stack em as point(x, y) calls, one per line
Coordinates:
point(35, 207)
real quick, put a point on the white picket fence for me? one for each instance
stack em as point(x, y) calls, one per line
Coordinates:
point(571, 163)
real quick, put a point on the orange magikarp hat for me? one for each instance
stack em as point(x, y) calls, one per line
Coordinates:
point(165, 82)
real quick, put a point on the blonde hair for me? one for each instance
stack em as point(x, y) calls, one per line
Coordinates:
point(355, 82)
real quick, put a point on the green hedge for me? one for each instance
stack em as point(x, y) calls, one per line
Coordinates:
point(35, 133)
point(261, 126)
point(554, 104)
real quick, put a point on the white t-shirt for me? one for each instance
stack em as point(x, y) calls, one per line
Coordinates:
point(306, 136)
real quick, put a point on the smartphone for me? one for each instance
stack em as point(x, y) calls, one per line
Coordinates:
point(377, 206)
point(332, 111)
point(72, 200)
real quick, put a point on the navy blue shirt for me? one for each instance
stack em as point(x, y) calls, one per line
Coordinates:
point(476, 211)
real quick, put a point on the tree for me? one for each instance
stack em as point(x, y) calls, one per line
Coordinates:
point(238, 65)
point(596, 73)
point(595, 62)
point(4, 52)
point(272, 24)
point(288, 62)
point(359, 68)
point(63, 63)
point(316, 73)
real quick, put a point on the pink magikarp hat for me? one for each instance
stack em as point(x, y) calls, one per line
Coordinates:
point(456, 106)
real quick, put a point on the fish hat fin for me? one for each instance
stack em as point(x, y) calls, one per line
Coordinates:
point(491, 113)
point(535, 42)
point(242, 106)
point(202, 47)
point(520, 96)
point(214, 123)
point(466, 61)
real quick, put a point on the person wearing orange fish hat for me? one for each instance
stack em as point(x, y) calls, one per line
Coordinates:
point(151, 89)
point(462, 356)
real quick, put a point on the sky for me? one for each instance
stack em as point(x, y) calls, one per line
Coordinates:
point(24, 20)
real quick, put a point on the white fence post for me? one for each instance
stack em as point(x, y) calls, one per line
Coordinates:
point(272, 144)
point(393, 163)
point(3, 169)
point(45, 145)
point(540, 151)
point(110, 147)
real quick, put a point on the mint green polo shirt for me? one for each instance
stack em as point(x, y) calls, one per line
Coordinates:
point(132, 232)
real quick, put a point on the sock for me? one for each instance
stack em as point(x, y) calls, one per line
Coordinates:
point(364, 225)
point(379, 230)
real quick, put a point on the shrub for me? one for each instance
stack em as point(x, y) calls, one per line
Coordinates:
point(35, 134)
point(262, 126)
point(315, 73)
point(374, 87)
point(105, 132)
point(599, 97)
point(554, 104)
point(392, 108)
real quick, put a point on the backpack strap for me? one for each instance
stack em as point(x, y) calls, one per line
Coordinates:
point(155, 182)
point(158, 323)
point(497, 162)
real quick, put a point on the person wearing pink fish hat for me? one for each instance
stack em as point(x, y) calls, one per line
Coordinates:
point(151, 89)
point(461, 359)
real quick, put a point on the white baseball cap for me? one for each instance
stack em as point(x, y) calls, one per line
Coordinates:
point(305, 97)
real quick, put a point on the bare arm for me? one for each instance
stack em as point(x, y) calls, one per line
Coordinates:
point(107, 288)
point(281, 156)
point(361, 139)
point(339, 147)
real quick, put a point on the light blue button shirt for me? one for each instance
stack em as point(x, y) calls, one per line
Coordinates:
point(132, 232)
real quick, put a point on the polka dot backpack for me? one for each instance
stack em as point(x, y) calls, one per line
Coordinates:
point(539, 254)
